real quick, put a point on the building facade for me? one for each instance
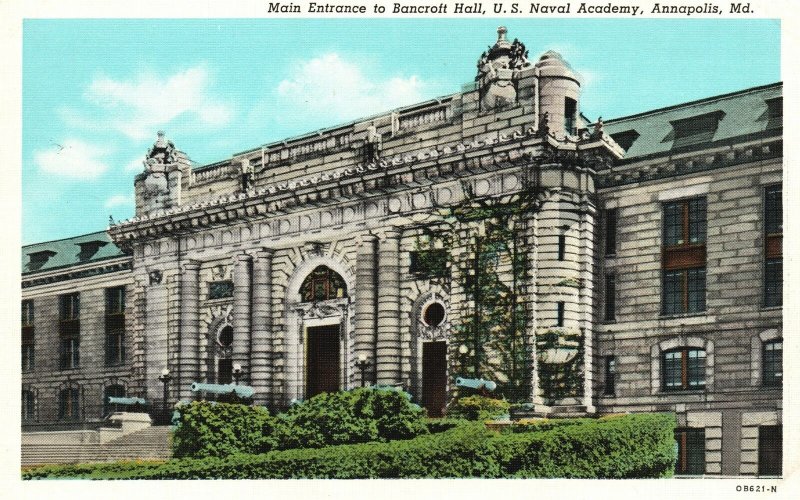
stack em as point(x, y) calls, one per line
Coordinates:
point(585, 267)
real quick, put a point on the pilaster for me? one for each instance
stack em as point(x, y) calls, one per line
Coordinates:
point(262, 350)
point(189, 360)
point(388, 338)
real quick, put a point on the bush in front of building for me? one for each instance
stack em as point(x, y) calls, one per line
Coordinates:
point(630, 446)
point(206, 429)
point(347, 417)
point(477, 407)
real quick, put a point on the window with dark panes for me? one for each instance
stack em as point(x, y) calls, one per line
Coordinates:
point(562, 246)
point(691, 444)
point(683, 369)
point(560, 314)
point(773, 246)
point(772, 363)
point(696, 129)
point(69, 404)
point(770, 450)
point(323, 283)
point(115, 325)
point(222, 289)
point(224, 371)
point(774, 113)
point(611, 231)
point(570, 115)
point(69, 330)
point(28, 405)
point(609, 386)
point(28, 349)
point(610, 298)
point(684, 257)
point(430, 263)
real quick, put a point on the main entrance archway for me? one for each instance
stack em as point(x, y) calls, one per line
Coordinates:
point(322, 360)
point(434, 377)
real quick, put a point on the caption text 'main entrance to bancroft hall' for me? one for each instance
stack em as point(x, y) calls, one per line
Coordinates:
point(534, 8)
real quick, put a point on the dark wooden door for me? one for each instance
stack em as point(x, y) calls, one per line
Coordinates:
point(434, 377)
point(322, 360)
point(770, 450)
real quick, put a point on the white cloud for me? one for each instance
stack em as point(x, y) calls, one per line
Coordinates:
point(333, 88)
point(119, 200)
point(140, 107)
point(72, 158)
point(136, 165)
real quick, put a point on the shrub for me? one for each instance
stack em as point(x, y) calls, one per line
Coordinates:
point(356, 416)
point(623, 447)
point(206, 429)
point(478, 408)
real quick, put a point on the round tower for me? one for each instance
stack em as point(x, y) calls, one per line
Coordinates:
point(559, 91)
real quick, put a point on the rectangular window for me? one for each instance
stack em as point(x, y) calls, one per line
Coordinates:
point(772, 363)
point(69, 330)
point(560, 314)
point(69, 307)
point(69, 404)
point(562, 246)
point(684, 257)
point(27, 336)
point(115, 325)
point(429, 263)
point(570, 115)
point(224, 371)
point(773, 246)
point(683, 369)
point(611, 231)
point(610, 376)
point(220, 289)
point(691, 445)
point(28, 405)
point(695, 130)
point(70, 353)
point(770, 450)
point(610, 298)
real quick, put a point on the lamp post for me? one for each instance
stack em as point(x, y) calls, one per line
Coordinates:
point(237, 372)
point(165, 377)
point(362, 365)
point(463, 350)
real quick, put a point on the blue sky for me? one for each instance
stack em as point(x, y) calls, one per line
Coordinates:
point(95, 92)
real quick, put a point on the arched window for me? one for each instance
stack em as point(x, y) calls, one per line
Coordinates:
point(111, 391)
point(323, 283)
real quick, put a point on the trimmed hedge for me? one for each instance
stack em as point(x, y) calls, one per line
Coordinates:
point(478, 407)
point(628, 446)
point(207, 429)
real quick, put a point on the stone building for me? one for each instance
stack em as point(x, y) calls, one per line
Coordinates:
point(586, 267)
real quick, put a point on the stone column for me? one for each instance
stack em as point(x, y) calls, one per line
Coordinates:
point(388, 338)
point(586, 297)
point(242, 301)
point(366, 305)
point(189, 356)
point(261, 353)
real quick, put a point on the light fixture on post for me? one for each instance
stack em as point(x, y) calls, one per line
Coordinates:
point(165, 377)
point(463, 350)
point(362, 365)
point(236, 372)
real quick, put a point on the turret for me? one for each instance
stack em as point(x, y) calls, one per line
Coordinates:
point(559, 92)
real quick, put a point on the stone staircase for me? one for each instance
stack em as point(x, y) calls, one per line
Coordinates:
point(152, 443)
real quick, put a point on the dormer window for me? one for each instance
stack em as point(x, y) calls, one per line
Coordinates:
point(625, 139)
point(39, 259)
point(89, 249)
point(775, 112)
point(695, 130)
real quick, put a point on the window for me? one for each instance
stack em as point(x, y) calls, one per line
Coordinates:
point(434, 314)
point(684, 257)
point(28, 405)
point(69, 330)
point(611, 231)
point(772, 363)
point(609, 313)
point(429, 263)
point(225, 337)
point(323, 283)
point(770, 450)
point(610, 374)
point(220, 289)
point(111, 391)
point(560, 314)
point(695, 130)
point(562, 244)
point(625, 139)
point(115, 325)
point(691, 445)
point(570, 115)
point(773, 246)
point(69, 404)
point(774, 113)
point(224, 371)
point(683, 369)
point(27, 336)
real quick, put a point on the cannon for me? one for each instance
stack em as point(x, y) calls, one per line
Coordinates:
point(241, 391)
point(126, 401)
point(478, 384)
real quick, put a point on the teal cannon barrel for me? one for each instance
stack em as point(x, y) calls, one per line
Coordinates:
point(242, 391)
point(126, 401)
point(476, 383)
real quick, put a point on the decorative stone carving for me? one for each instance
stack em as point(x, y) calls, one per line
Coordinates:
point(161, 153)
point(155, 277)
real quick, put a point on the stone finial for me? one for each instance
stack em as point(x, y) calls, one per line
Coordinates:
point(501, 33)
point(162, 152)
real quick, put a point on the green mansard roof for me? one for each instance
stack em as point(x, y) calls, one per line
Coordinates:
point(78, 250)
